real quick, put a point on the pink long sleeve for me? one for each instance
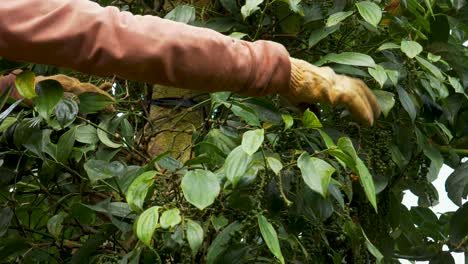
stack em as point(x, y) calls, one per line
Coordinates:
point(84, 36)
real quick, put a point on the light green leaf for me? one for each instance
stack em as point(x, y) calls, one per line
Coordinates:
point(386, 101)
point(49, 94)
point(55, 224)
point(170, 218)
point(252, 140)
point(345, 144)
point(372, 249)
point(136, 192)
point(406, 102)
point(370, 12)
point(310, 120)
point(379, 74)
point(315, 172)
point(250, 7)
point(86, 134)
point(194, 236)
point(337, 18)
point(367, 182)
point(295, 6)
point(317, 35)
point(348, 58)
point(288, 121)
point(393, 76)
point(200, 188)
point(455, 83)
point(275, 165)
point(433, 57)
point(388, 45)
point(182, 13)
point(431, 67)
point(7, 123)
point(147, 224)
point(270, 237)
point(411, 48)
point(93, 102)
point(25, 84)
point(236, 165)
point(327, 139)
point(237, 35)
point(244, 112)
point(104, 136)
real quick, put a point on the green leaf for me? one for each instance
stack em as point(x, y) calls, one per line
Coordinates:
point(317, 35)
point(275, 165)
point(455, 83)
point(433, 57)
point(238, 35)
point(25, 84)
point(194, 236)
point(219, 222)
point(372, 249)
point(101, 170)
point(327, 139)
point(445, 130)
point(393, 76)
point(458, 229)
point(288, 121)
point(310, 120)
point(182, 13)
point(6, 214)
point(315, 172)
point(244, 112)
point(104, 136)
point(348, 58)
point(66, 112)
point(93, 102)
point(138, 190)
point(250, 7)
point(200, 188)
point(432, 153)
point(65, 145)
point(386, 101)
point(431, 67)
point(411, 48)
point(345, 144)
point(49, 94)
point(388, 45)
point(170, 218)
point(252, 140)
point(230, 5)
point(370, 12)
point(86, 134)
point(221, 242)
point(7, 123)
point(147, 224)
point(457, 184)
point(236, 165)
point(406, 102)
point(337, 18)
point(367, 182)
point(379, 74)
point(270, 237)
point(55, 224)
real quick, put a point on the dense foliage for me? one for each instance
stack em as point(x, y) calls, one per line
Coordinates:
point(266, 183)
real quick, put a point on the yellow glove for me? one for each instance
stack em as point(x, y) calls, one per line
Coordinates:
point(312, 84)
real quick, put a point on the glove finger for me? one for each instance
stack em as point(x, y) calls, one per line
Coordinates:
point(356, 102)
point(370, 98)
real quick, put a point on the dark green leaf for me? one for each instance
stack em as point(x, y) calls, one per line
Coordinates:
point(6, 215)
point(49, 94)
point(367, 182)
point(55, 224)
point(458, 228)
point(270, 237)
point(93, 102)
point(348, 58)
point(101, 170)
point(221, 242)
point(457, 184)
point(317, 35)
point(406, 102)
point(65, 145)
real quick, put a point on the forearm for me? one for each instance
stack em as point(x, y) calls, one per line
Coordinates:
point(104, 41)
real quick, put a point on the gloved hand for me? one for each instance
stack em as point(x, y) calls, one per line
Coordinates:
point(312, 84)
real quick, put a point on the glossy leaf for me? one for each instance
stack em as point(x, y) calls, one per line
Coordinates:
point(315, 172)
point(411, 48)
point(49, 94)
point(86, 134)
point(194, 236)
point(386, 101)
point(379, 74)
point(317, 35)
point(170, 218)
point(455, 83)
point(147, 224)
point(101, 170)
point(348, 58)
point(200, 188)
point(236, 165)
point(388, 45)
point(406, 102)
point(370, 12)
point(252, 140)
point(65, 145)
point(138, 190)
point(431, 68)
point(275, 165)
point(250, 7)
point(310, 120)
point(367, 182)
point(93, 102)
point(288, 121)
point(183, 13)
point(337, 18)
point(24, 83)
point(270, 237)
point(104, 137)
